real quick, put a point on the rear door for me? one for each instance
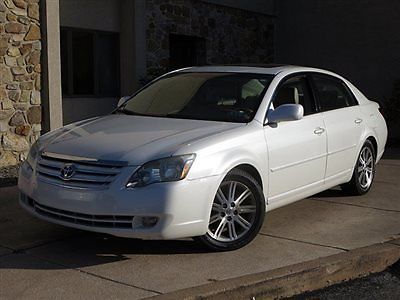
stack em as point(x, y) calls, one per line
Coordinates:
point(343, 121)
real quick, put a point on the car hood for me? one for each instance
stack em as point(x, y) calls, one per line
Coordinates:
point(132, 139)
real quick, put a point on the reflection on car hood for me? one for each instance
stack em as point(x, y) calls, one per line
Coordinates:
point(135, 139)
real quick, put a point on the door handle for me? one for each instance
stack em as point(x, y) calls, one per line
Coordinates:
point(358, 121)
point(319, 130)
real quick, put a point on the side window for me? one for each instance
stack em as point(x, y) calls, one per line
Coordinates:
point(295, 90)
point(332, 93)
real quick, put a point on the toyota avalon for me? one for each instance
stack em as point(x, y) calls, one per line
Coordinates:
point(204, 152)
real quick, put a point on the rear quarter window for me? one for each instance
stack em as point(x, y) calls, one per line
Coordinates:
point(333, 93)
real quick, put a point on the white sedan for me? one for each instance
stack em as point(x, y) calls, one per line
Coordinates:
point(204, 152)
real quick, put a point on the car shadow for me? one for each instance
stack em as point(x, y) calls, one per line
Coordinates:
point(331, 193)
point(92, 249)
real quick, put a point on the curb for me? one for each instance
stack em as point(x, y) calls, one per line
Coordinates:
point(299, 278)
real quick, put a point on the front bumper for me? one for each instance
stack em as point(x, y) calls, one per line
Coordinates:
point(182, 208)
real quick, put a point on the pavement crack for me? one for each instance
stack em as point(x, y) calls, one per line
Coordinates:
point(304, 242)
point(11, 251)
point(355, 205)
point(96, 275)
point(118, 282)
point(6, 254)
point(8, 248)
point(28, 248)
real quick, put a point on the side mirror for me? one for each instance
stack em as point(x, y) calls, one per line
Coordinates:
point(286, 112)
point(123, 100)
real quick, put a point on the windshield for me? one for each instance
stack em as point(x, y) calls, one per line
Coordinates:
point(227, 97)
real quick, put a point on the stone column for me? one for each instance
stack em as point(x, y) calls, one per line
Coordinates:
point(20, 81)
point(52, 96)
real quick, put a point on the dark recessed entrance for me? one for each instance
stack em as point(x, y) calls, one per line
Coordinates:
point(186, 51)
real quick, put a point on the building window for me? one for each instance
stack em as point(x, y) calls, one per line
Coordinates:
point(186, 51)
point(89, 63)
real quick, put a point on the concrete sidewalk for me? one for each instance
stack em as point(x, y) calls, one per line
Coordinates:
point(41, 260)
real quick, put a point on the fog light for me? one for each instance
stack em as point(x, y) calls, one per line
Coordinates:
point(149, 221)
point(144, 222)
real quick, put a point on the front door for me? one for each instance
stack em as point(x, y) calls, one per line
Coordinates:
point(296, 149)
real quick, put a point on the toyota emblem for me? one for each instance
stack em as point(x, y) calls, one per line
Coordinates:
point(67, 171)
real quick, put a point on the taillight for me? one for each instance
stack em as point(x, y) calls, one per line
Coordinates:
point(381, 112)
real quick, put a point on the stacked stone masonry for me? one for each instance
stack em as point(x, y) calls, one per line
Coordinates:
point(232, 36)
point(20, 68)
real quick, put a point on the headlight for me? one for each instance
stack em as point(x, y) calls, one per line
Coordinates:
point(33, 153)
point(163, 170)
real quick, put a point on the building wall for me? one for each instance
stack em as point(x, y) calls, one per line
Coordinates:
point(358, 39)
point(261, 6)
point(20, 68)
point(91, 14)
point(232, 35)
point(101, 15)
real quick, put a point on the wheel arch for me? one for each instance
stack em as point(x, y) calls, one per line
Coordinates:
point(374, 142)
point(368, 135)
point(251, 170)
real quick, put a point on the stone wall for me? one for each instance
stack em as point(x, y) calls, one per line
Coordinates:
point(232, 35)
point(20, 110)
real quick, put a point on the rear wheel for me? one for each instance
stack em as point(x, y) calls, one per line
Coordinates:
point(364, 171)
point(237, 213)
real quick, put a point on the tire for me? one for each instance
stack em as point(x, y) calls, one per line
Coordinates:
point(237, 214)
point(364, 172)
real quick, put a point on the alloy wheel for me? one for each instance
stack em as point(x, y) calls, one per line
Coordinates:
point(233, 212)
point(365, 168)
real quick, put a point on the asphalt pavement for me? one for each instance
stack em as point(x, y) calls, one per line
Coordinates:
point(42, 260)
point(385, 285)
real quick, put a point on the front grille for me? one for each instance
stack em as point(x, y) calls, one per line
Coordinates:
point(87, 174)
point(104, 221)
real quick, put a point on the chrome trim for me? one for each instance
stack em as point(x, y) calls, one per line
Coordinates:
point(83, 159)
point(88, 169)
point(63, 185)
point(67, 157)
point(87, 175)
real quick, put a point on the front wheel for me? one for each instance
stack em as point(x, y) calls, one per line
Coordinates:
point(364, 171)
point(237, 213)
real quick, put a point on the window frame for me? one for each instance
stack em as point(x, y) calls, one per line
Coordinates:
point(306, 75)
point(334, 79)
point(95, 35)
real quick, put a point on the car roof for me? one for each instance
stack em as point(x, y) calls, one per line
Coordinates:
point(272, 69)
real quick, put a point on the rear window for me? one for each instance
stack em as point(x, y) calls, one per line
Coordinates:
point(333, 93)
